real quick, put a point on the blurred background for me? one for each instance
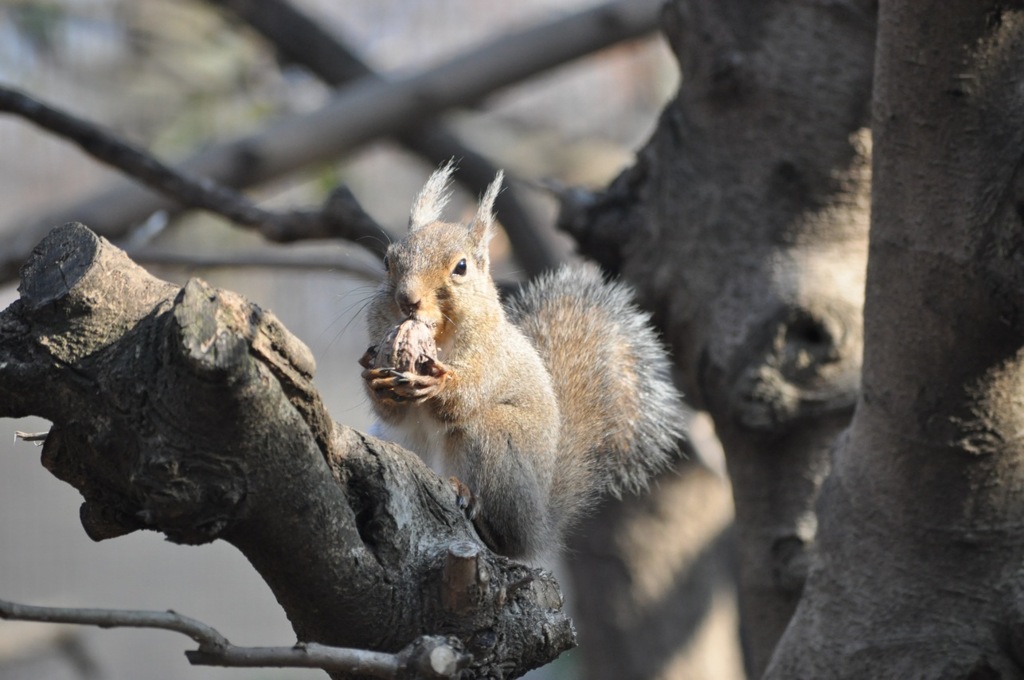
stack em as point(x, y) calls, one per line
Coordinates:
point(173, 76)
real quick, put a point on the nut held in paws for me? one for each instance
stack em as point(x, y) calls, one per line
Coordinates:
point(409, 347)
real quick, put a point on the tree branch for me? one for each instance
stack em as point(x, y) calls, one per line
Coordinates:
point(361, 112)
point(277, 258)
point(341, 217)
point(192, 412)
point(300, 39)
point(439, 657)
point(206, 636)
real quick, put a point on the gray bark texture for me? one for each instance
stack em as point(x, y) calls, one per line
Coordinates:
point(743, 224)
point(921, 534)
point(192, 412)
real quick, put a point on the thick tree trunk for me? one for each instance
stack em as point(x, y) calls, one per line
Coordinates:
point(744, 226)
point(922, 520)
point(192, 412)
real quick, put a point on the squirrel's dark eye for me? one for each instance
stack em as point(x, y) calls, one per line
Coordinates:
point(460, 268)
point(387, 264)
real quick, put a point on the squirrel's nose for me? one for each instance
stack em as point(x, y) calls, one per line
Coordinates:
point(407, 303)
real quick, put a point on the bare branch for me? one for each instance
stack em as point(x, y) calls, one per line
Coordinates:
point(366, 110)
point(278, 258)
point(341, 217)
point(35, 437)
point(441, 656)
point(206, 636)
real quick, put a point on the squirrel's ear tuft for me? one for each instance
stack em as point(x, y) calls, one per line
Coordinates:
point(433, 197)
point(485, 213)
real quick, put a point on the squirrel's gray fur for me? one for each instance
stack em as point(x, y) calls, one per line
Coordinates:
point(616, 371)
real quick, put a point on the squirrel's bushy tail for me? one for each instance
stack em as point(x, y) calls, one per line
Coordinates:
point(621, 414)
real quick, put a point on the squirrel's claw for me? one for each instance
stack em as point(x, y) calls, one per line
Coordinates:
point(464, 498)
point(472, 508)
point(389, 384)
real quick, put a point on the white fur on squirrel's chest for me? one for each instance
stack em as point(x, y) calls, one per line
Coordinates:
point(421, 434)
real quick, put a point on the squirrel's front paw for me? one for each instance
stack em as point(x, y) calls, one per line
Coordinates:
point(403, 367)
point(399, 386)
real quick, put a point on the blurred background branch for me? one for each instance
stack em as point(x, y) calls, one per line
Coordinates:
point(341, 217)
point(368, 108)
point(300, 39)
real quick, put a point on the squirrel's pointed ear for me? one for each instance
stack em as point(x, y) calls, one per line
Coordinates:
point(484, 220)
point(433, 197)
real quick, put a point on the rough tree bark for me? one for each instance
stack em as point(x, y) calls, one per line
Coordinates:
point(744, 225)
point(191, 412)
point(922, 520)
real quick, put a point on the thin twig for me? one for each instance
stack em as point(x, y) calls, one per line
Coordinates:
point(37, 437)
point(207, 637)
point(430, 656)
point(309, 655)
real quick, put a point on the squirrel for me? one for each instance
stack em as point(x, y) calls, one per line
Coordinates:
point(534, 407)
